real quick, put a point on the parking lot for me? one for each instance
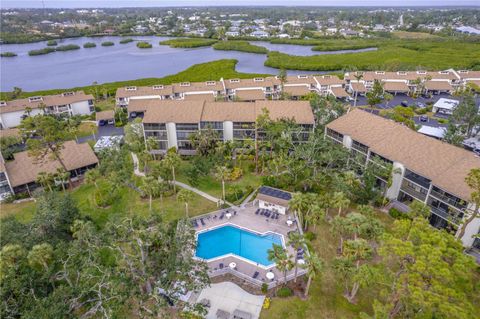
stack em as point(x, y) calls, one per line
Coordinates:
point(399, 98)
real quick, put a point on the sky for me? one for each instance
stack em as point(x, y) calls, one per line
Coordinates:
point(177, 3)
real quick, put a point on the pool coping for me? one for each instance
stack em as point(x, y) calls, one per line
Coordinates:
point(282, 238)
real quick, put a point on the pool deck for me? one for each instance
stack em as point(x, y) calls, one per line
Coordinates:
point(246, 218)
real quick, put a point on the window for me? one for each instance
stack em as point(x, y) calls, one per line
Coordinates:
point(335, 135)
point(303, 76)
point(444, 72)
point(258, 80)
point(68, 93)
point(234, 81)
point(463, 71)
point(185, 84)
point(421, 72)
point(379, 72)
point(131, 88)
point(327, 76)
point(211, 82)
point(158, 87)
point(154, 126)
point(402, 73)
point(35, 99)
point(3, 103)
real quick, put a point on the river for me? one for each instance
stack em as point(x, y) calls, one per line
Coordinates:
point(121, 62)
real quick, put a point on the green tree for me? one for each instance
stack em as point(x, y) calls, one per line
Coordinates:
point(356, 251)
point(419, 209)
point(92, 176)
point(205, 141)
point(222, 173)
point(339, 200)
point(185, 196)
point(49, 137)
point(473, 181)
point(134, 136)
point(375, 96)
point(62, 177)
point(315, 267)
point(40, 257)
point(466, 113)
point(45, 180)
point(358, 77)
point(429, 276)
point(172, 161)
point(280, 257)
point(297, 241)
point(387, 97)
point(150, 187)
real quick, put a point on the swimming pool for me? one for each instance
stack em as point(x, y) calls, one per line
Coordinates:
point(232, 240)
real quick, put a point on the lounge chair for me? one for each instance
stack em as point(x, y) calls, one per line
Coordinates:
point(221, 215)
point(234, 213)
point(220, 266)
point(257, 211)
point(201, 220)
point(255, 275)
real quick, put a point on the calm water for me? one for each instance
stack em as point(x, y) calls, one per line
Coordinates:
point(232, 240)
point(119, 62)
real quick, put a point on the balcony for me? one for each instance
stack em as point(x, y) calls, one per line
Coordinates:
point(417, 179)
point(445, 215)
point(415, 191)
point(451, 200)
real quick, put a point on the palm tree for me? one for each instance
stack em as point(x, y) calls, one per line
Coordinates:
point(356, 251)
point(280, 256)
point(341, 227)
point(92, 176)
point(357, 77)
point(151, 187)
point(221, 173)
point(296, 240)
point(282, 76)
point(314, 266)
point(45, 179)
point(340, 201)
point(299, 203)
point(62, 176)
point(185, 196)
point(172, 160)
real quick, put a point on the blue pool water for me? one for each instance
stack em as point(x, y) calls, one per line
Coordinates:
point(232, 240)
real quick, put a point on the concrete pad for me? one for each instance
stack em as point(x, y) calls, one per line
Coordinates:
point(229, 297)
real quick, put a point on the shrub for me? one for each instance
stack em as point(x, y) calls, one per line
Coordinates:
point(7, 54)
point(442, 121)
point(41, 51)
point(264, 288)
point(67, 47)
point(107, 44)
point(284, 292)
point(395, 213)
point(243, 46)
point(266, 302)
point(52, 43)
point(421, 111)
point(89, 45)
point(235, 174)
point(144, 45)
point(105, 195)
point(127, 40)
point(309, 236)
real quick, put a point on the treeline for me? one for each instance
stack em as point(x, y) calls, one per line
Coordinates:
point(242, 46)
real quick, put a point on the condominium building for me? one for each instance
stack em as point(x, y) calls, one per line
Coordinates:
point(426, 169)
point(172, 122)
point(404, 81)
point(20, 174)
point(66, 104)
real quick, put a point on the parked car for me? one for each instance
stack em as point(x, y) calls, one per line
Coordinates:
point(133, 115)
point(423, 118)
point(477, 151)
point(111, 122)
point(404, 103)
point(420, 105)
point(102, 123)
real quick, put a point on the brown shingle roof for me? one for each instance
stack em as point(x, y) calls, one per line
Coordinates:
point(198, 86)
point(229, 111)
point(144, 91)
point(300, 79)
point(395, 86)
point(250, 95)
point(47, 100)
point(444, 164)
point(165, 111)
point(300, 111)
point(339, 91)
point(297, 90)
point(329, 80)
point(200, 97)
point(105, 115)
point(25, 169)
point(141, 105)
point(438, 86)
point(358, 87)
point(248, 83)
point(401, 75)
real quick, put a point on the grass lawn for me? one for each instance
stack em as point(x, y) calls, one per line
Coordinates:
point(128, 204)
point(87, 129)
point(326, 294)
point(414, 35)
point(105, 104)
point(213, 186)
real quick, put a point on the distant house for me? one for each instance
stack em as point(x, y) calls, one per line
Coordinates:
point(66, 104)
point(232, 33)
point(445, 106)
point(379, 27)
point(283, 36)
point(436, 132)
point(259, 34)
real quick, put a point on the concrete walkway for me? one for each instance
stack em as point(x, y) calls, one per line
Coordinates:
point(229, 297)
point(137, 172)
